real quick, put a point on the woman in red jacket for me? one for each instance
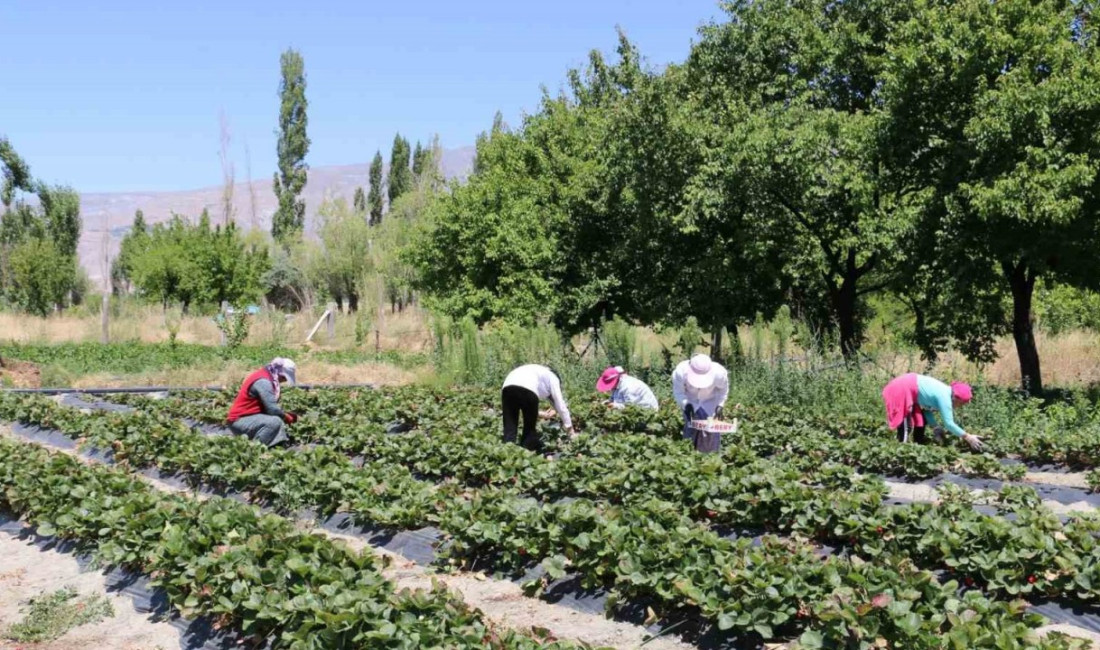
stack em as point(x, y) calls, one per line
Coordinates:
point(256, 412)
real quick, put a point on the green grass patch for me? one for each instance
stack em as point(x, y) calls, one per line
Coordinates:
point(50, 616)
point(63, 362)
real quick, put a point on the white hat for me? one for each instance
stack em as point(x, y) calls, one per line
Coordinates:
point(286, 368)
point(701, 373)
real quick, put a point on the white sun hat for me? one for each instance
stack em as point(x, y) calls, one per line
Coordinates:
point(701, 372)
point(286, 368)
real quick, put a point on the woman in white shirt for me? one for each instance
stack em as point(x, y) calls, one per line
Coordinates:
point(523, 388)
point(700, 387)
point(626, 389)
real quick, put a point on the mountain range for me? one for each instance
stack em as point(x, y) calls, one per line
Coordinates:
point(254, 204)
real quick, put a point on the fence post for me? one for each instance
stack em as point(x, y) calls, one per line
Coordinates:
point(377, 343)
point(331, 322)
point(225, 322)
point(104, 319)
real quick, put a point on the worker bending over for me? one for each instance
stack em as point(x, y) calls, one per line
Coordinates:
point(700, 387)
point(626, 389)
point(256, 412)
point(523, 388)
point(910, 397)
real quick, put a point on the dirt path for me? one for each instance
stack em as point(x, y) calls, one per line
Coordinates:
point(27, 571)
point(501, 601)
point(1066, 479)
point(927, 493)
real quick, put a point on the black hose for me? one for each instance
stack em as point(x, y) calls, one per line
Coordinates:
point(160, 389)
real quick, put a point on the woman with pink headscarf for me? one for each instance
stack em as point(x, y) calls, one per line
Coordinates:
point(911, 398)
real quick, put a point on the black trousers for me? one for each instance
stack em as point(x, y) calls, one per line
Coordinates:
point(916, 434)
point(513, 401)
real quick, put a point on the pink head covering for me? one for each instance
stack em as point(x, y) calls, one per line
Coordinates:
point(961, 392)
point(609, 378)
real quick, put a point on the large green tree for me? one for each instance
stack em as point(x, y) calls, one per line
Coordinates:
point(536, 233)
point(192, 264)
point(376, 195)
point(685, 249)
point(37, 242)
point(995, 108)
point(346, 259)
point(790, 112)
point(41, 275)
point(122, 265)
point(293, 145)
point(400, 177)
point(360, 202)
point(16, 174)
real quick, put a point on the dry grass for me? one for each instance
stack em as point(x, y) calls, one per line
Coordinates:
point(229, 374)
point(409, 330)
point(1070, 359)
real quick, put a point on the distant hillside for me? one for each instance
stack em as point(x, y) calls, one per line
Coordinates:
point(115, 210)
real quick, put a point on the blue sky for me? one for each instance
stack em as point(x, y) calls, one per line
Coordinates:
point(126, 95)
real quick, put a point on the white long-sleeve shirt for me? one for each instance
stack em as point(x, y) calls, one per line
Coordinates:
point(709, 399)
point(631, 390)
point(544, 383)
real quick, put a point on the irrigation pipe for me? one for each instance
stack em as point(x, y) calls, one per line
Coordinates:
point(160, 389)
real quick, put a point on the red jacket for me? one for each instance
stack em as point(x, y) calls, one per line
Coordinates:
point(246, 404)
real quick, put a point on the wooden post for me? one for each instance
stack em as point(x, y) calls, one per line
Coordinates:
point(377, 342)
point(224, 322)
point(317, 326)
point(104, 319)
point(331, 322)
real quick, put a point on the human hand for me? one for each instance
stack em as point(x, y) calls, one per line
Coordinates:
point(974, 441)
point(290, 418)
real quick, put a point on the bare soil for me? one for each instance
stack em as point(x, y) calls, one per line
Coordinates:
point(27, 571)
point(927, 493)
point(1071, 479)
point(19, 374)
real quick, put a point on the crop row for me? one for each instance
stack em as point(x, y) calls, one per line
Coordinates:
point(346, 420)
point(1033, 554)
point(650, 551)
point(249, 571)
point(1057, 434)
point(1011, 557)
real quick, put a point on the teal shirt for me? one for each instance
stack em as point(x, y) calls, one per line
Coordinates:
point(934, 398)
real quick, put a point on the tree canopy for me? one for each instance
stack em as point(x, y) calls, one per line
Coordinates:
point(813, 154)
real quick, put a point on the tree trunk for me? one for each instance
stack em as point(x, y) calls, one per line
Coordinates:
point(845, 302)
point(353, 302)
point(737, 353)
point(716, 345)
point(1023, 286)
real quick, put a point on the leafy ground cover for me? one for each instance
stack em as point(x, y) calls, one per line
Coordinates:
point(248, 570)
point(643, 499)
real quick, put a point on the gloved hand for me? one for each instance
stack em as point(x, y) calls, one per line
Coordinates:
point(718, 412)
point(974, 441)
point(290, 418)
point(689, 412)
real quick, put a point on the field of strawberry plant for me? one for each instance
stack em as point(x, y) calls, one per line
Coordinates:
point(787, 536)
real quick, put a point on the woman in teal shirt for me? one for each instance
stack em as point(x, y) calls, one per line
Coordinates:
point(910, 396)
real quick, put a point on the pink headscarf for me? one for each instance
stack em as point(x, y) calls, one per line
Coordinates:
point(961, 391)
